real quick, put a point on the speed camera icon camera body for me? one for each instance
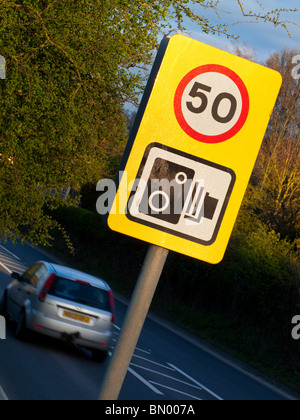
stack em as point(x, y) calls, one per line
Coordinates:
point(180, 194)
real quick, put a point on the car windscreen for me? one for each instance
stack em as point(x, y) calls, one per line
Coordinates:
point(80, 292)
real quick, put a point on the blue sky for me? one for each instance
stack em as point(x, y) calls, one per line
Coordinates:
point(264, 38)
point(261, 37)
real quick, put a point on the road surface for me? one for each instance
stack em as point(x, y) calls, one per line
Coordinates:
point(166, 365)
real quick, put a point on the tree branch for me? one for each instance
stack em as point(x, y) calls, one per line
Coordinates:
point(274, 16)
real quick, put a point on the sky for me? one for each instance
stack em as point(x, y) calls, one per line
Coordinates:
point(262, 37)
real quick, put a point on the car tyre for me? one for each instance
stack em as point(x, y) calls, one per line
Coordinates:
point(21, 329)
point(3, 307)
point(99, 355)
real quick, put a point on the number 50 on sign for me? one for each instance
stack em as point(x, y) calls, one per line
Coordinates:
point(211, 103)
point(196, 139)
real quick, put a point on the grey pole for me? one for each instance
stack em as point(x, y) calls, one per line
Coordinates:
point(134, 321)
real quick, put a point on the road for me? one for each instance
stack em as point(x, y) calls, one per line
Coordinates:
point(166, 365)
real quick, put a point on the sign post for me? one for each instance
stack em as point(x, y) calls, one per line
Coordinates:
point(187, 166)
point(134, 321)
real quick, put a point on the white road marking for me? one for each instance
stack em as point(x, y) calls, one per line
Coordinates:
point(166, 376)
point(143, 351)
point(154, 363)
point(176, 390)
point(143, 380)
point(137, 348)
point(9, 252)
point(10, 261)
point(196, 382)
point(3, 396)
point(5, 268)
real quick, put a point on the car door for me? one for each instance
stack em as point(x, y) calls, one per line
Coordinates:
point(20, 291)
point(33, 282)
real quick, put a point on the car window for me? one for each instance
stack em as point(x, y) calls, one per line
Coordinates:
point(29, 273)
point(35, 274)
point(39, 275)
point(80, 292)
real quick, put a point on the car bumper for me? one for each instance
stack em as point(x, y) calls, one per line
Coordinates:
point(76, 334)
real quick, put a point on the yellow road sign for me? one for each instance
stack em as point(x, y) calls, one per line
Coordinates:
point(193, 148)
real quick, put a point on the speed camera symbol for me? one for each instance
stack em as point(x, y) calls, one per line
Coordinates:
point(180, 194)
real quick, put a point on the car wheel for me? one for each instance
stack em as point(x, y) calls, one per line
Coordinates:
point(99, 355)
point(21, 329)
point(3, 306)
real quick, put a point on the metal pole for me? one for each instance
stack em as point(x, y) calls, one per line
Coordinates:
point(134, 321)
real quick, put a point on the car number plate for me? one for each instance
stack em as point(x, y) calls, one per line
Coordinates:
point(76, 316)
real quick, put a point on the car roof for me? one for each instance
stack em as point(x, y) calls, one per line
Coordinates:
point(72, 274)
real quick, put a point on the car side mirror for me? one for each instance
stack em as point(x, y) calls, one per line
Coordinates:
point(16, 276)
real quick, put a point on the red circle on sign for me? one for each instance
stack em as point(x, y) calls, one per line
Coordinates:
point(203, 92)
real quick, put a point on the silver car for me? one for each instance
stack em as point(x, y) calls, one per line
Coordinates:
point(62, 303)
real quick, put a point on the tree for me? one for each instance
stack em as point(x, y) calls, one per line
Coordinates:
point(69, 73)
point(277, 174)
